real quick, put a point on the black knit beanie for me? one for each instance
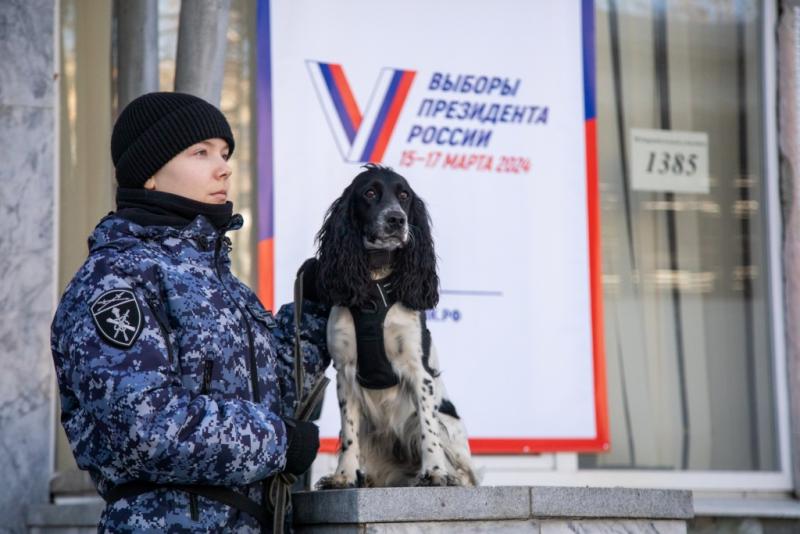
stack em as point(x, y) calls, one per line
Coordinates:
point(155, 127)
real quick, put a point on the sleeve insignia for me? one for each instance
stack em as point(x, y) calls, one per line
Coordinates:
point(118, 317)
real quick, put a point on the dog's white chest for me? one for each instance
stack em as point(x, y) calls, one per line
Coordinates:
point(402, 338)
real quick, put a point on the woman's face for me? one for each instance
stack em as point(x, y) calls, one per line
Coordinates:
point(201, 173)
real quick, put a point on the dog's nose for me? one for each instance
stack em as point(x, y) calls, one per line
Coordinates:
point(395, 220)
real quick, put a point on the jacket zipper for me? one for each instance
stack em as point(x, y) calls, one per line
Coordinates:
point(194, 512)
point(208, 367)
point(154, 307)
point(250, 342)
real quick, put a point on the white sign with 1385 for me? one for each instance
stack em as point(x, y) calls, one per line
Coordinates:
point(669, 161)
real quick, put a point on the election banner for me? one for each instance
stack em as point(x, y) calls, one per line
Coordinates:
point(487, 108)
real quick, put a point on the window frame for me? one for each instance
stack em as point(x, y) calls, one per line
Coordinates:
point(562, 469)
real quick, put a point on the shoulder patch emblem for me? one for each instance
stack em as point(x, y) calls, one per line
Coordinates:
point(118, 318)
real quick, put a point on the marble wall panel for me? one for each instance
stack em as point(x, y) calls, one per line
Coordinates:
point(27, 50)
point(456, 527)
point(27, 255)
point(26, 415)
point(26, 209)
point(613, 526)
point(531, 526)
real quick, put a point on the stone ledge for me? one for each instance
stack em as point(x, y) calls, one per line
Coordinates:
point(411, 504)
point(782, 508)
point(482, 509)
point(625, 503)
point(386, 505)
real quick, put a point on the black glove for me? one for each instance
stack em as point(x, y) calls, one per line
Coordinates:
point(303, 445)
point(310, 272)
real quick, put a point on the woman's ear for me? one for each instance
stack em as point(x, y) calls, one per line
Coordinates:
point(150, 184)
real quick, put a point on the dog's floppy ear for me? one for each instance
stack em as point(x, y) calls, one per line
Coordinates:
point(342, 262)
point(416, 282)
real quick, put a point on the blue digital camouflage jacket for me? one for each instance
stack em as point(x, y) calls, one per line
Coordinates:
point(155, 342)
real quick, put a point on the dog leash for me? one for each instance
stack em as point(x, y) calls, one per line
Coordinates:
point(279, 494)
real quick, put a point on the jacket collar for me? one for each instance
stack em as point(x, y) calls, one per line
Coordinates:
point(113, 229)
point(158, 208)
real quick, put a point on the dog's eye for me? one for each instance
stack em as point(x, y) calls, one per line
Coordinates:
point(402, 195)
point(370, 194)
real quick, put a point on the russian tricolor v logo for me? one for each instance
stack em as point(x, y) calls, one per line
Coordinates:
point(360, 137)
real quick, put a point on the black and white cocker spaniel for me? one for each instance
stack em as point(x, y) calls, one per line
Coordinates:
point(377, 266)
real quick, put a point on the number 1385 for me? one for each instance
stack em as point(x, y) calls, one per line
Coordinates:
point(675, 163)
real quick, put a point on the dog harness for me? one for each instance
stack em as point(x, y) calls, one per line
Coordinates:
point(373, 370)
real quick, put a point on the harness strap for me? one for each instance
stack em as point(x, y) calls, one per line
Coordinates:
point(279, 493)
point(373, 370)
point(299, 377)
point(216, 493)
point(278, 497)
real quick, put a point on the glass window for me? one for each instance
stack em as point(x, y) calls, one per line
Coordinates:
point(688, 350)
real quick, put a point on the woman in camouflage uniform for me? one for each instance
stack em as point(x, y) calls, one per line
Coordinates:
point(176, 384)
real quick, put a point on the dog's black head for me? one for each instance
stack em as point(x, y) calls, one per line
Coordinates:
point(381, 203)
point(378, 211)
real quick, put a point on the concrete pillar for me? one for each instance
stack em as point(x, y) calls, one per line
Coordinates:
point(137, 49)
point(28, 118)
point(200, 61)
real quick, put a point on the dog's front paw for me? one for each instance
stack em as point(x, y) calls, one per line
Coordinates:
point(336, 481)
point(436, 477)
point(339, 481)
